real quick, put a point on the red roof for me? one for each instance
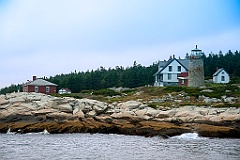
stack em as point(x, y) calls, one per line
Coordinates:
point(183, 74)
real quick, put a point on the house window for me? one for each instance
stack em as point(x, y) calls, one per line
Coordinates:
point(170, 68)
point(36, 89)
point(179, 68)
point(47, 89)
point(222, 78)
point(169, 76)
point(222, 72)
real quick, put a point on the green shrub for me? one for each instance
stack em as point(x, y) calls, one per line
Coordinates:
point(87, 91)
point(152, 105)
point(173, 88)
point(129, 91)
point(106, 92)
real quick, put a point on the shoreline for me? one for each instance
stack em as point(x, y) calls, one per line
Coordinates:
point(35, 112)
point(122, 126)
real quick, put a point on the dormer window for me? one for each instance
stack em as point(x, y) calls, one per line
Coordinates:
point(170, 68)
point(179, 68)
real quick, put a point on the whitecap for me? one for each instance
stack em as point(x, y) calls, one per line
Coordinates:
point(9, 131)
point(188, 136)
point(43, 132)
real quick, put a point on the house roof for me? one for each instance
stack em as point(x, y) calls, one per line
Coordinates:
point(164, 64)
point(219, 71)
point(40, 82)
point(183, 74)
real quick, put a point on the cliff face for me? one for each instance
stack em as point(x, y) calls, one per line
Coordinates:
point(34, 112)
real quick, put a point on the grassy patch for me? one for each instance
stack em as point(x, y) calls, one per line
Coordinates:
point(106, 92)
point(226, 105)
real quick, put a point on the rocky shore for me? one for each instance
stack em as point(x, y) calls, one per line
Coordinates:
point(33, 112)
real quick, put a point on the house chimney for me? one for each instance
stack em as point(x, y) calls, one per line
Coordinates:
point(174, 56)
point(34, 78)
point(216, 68)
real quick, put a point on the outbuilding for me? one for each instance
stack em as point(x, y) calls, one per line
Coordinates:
point(221, 76)
point(64, 91)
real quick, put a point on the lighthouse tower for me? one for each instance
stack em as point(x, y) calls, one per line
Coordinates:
point(196, 70)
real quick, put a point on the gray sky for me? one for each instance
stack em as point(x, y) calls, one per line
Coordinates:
point(49, 37)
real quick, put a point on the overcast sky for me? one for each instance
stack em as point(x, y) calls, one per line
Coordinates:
point(49, 37)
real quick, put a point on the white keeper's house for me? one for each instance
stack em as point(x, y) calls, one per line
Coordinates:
point(168, 71)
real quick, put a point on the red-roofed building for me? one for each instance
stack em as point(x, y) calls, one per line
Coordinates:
point(183, 79)
point(40, 86)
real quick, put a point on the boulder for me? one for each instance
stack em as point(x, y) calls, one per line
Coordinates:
point(166, 114)
point(4, 106)
point(122, 115)
point(140, 113)
point(86, 109)
point(217, 131)
point(129, 105)
point(104, 118)
point(87, 105)
point(202, 110)
point(91, 113)
point(60, 116)
point(79, 114)
point(51, 104)
point(151, 112)
point(64, 108)
point(3, 101)
point(229, 117)
point(211, 100)
point(187, 114)
point(229, 99)
point(16, 100)
point(44, 111)
point(39, 104)
point(233, 111)
point(34, 97)
point(99, 108)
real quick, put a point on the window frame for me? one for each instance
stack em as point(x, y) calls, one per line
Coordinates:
point(169, 76)
point(170, 68)
point(179, 68)
point(47, 89)
point(222, 78)
point(36, 89)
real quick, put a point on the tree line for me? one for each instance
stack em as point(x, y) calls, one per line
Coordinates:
point(229, 61)
point(134, 76)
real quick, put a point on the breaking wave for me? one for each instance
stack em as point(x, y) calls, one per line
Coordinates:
point(9, 131)
point(189, 136)
point(43, 132)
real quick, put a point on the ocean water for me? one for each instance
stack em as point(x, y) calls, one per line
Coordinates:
point(39, 146)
